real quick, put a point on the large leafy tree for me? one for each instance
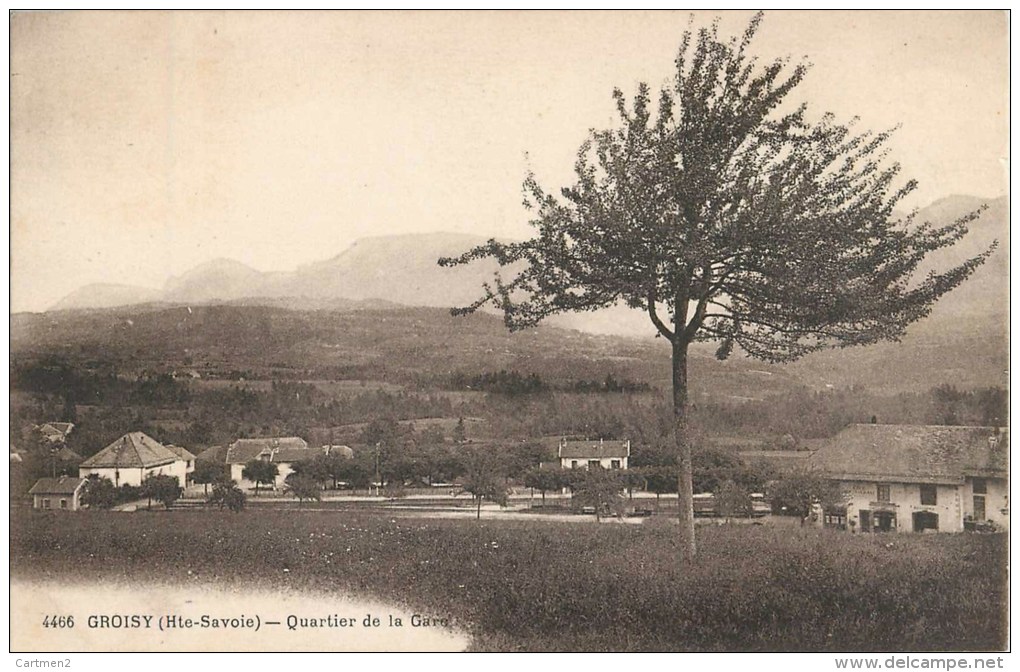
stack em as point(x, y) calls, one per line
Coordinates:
point(599, 489)
point(303, 487)
point(484, 480)
point(226, 493)
point(260, 472)
point(164, 489)
point(207, 473)
point(545, 480)
point(727, 215)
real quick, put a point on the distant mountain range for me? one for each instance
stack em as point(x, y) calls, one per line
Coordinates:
point(397, 269)
point(965, 334)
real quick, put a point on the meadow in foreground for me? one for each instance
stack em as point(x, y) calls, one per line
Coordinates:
point(561, 587)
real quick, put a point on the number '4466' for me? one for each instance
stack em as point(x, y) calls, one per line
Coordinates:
point(58, 622)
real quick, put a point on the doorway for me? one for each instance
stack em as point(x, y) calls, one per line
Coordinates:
point(925, 520)
point(885, 521)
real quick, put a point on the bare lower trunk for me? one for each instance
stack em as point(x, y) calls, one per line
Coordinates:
point(478, 513)
point(682, 440)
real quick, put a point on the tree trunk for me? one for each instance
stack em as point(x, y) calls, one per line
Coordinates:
point(478, 514)
point(682, 439)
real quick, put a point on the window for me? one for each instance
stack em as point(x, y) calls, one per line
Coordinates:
point(980, 486)
point(979, 507)
point(63, 503)
point(46, 503)
point(573, 464)
point(883, 493)
point(593, 464)
point(929, 495)
point(615, 464)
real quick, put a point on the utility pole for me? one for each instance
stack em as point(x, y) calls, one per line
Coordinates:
point(378, 478)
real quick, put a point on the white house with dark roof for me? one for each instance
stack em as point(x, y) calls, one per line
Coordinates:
point(184, 454)
point(281, 451)
point(915, 478)
point(134, 457)
point(284, 452)
point(61, 494)
point(587, 454)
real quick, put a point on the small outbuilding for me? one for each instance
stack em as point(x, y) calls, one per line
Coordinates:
point(62, 493)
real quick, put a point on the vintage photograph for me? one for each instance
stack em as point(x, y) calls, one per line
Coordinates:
point(510, 331)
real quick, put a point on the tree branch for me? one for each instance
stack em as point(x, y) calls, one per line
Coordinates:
point(659, 324)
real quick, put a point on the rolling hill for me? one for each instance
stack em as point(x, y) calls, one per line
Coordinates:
point(964, 341)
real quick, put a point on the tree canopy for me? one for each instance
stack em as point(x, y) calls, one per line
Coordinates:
point(303, 486)
point(164, 489)
point(753, 227)
point(260, 472)
point(727, 214)
point(483, 480)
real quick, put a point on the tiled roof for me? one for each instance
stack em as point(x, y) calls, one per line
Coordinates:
point(594, 450)
point(57, 428)
point(68, 455)
point(64, 485)
point(245, 450)
point(296, 454)
point(914, 453)
point(217, 454)
point(182, 453)
point(132, 450)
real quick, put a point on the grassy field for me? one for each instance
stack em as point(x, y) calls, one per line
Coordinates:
point(555, 587)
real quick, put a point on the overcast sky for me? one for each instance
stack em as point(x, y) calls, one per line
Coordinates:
point(144, 144)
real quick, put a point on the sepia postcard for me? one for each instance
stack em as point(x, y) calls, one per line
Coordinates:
point(510, 331)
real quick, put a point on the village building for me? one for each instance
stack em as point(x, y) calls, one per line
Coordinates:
point(338, 450)
point(589, 454)
point(916, 478)
point(62, 493)
point(68, 456)
point(55, 432)
point(284, 452)
point(134, 457)
point(214, 454)
point(184, 454)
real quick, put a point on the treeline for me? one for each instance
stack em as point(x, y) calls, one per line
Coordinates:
point(514, 383)
point(105, 405)
point(811, 415)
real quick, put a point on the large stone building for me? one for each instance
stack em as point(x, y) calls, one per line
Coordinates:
point(916, 478)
